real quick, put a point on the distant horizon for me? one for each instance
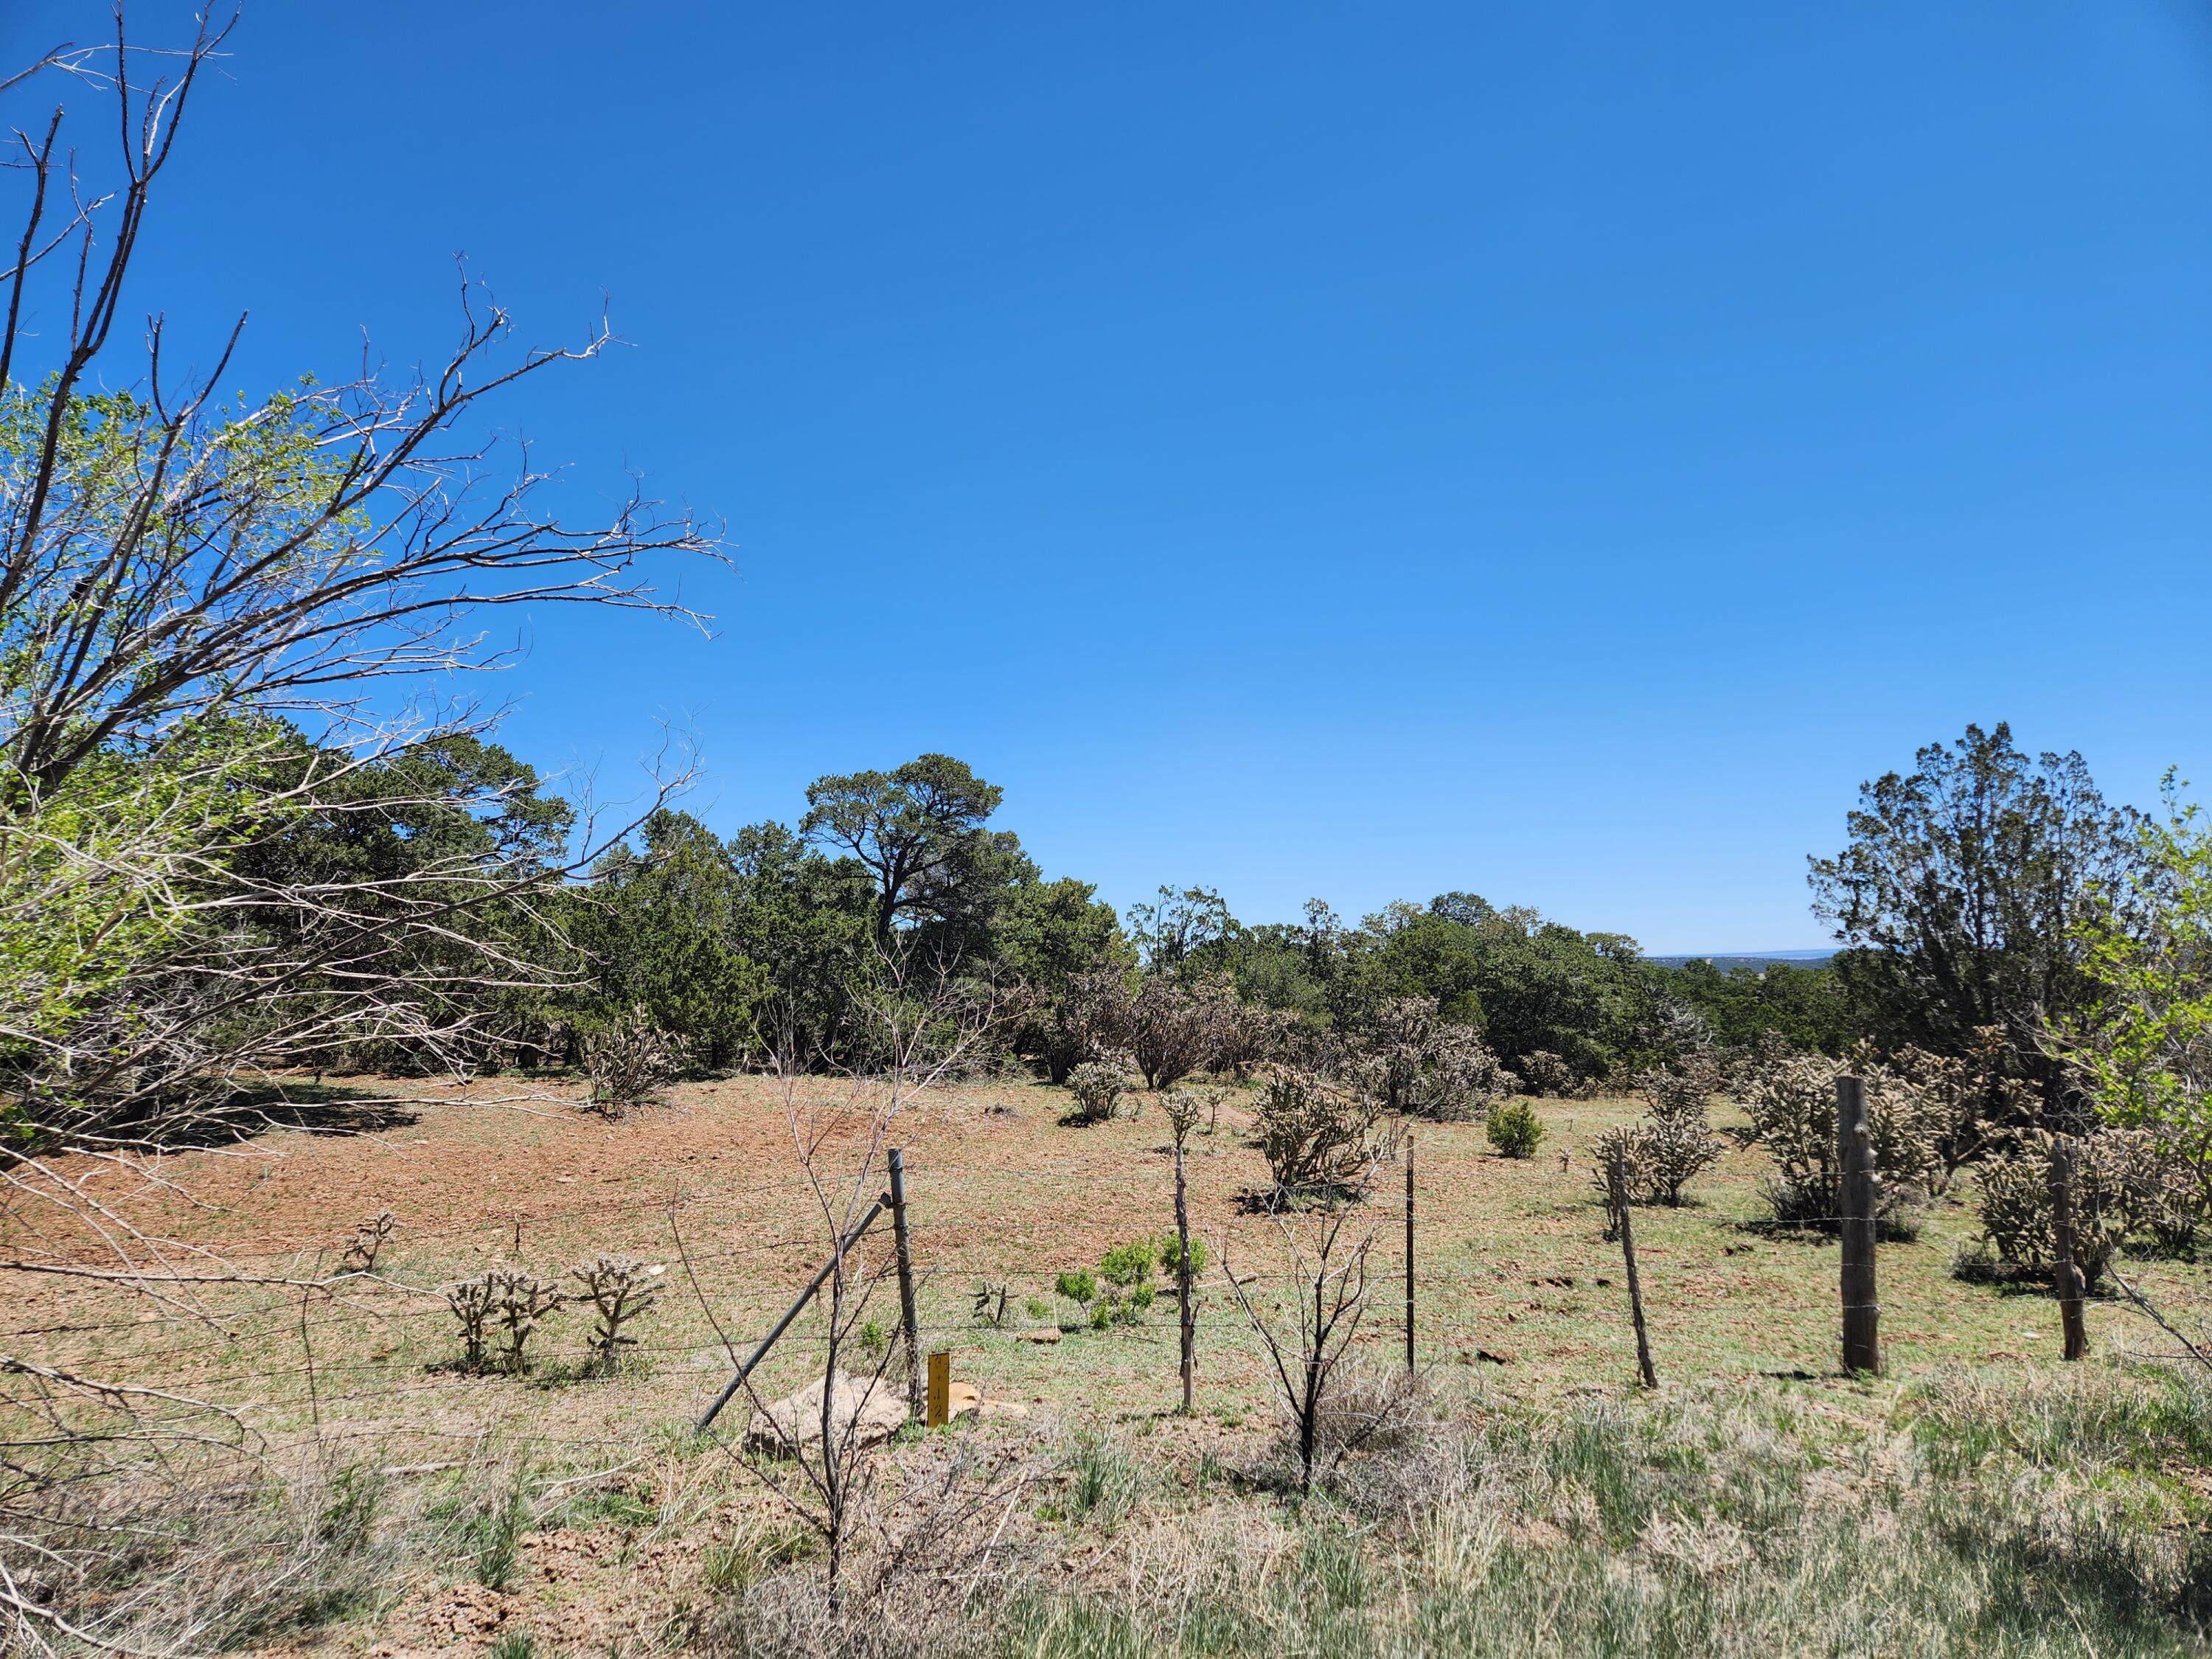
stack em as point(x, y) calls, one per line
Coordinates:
point(1815, 952)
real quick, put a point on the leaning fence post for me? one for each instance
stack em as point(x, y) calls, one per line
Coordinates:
point(784, 1324)
point(2069, 1273)
point(1855, 1158)
point(1616, 1186)
point(909, 1322)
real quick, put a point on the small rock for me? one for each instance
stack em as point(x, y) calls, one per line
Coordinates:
point(1005, 1408)
point(963, 1400)
point(1048, 1335)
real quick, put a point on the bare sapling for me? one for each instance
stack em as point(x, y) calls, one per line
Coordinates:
point(923, 1025)
point(1182, 1109)
point(1307, 1336)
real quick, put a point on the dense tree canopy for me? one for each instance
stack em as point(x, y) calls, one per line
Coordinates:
point(1962, 891)
point(918, 830)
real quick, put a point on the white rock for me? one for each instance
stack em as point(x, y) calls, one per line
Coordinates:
point(869, 1408)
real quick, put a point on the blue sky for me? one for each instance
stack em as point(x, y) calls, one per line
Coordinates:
point(1553, 451)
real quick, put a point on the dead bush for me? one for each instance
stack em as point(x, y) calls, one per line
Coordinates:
point(1178, 1026)
point(1089, 1020)
point(1249, 1035)
point(207, 1556)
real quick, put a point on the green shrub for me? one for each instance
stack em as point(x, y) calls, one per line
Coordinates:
point(1515, 1129)
point(1078, 1286)
point(1129, 1264)
point(1169, 1248)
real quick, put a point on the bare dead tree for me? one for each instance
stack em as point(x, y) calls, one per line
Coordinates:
point(1307, 1336)
point(207, 610)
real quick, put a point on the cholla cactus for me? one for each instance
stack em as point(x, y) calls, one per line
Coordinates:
point(629, 1063)
point(505, 1299)
point(1318, 1135)
point(1436, 1068)
point(1675, 1143)
point(523, 1302)
point(369, 1241)
point(620, 1291)
point(1792, 1105)
point(472, 1301)
point(1098, 1087)
point(2123, 1181)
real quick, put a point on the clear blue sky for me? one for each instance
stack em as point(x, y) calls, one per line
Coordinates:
point(1556, 449)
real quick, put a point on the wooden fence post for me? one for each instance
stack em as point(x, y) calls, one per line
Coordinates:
point(1186, 1315)
point(909, 1323)
point(1855, 1158)
point(1409, 1258)
point(1616, 1184)
point(2069, 1273)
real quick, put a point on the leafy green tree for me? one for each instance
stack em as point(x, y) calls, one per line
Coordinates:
point(1048, 932)
point(917, 831)
point(1962, 895)
point(661, 932)
point(1181, 927)
point(1803, 1006)
point(1274, 965)
point(105, 872)
point(809, 920)
point(2141, 1044)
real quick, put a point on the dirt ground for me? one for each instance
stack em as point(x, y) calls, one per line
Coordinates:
point(1512, 1273)
point(1517, 1295)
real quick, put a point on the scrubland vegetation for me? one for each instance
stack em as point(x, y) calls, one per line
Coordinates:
point(396, 1157)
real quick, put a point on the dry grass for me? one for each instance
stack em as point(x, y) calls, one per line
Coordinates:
point(626, 1528)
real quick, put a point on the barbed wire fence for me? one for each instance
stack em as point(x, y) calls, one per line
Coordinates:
point(291, 1347)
